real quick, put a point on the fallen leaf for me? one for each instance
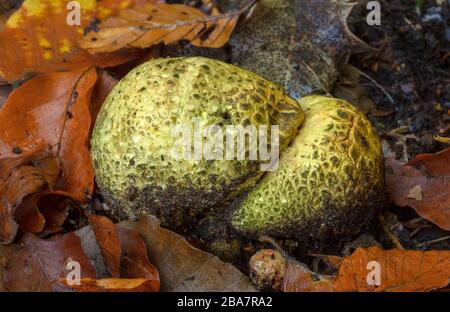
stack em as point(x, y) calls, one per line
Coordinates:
point(5, 255)
point(105, 83)
point(44, 145)
point(117, 251)
point(182, 267)
point(298, 278)
point(108, 240)
point(151, 24)
point(53, 43)
point(110, 285)
point(44, 265)
point(134, 261)
point(38, 265)
point(400, 270)
point(422, 184)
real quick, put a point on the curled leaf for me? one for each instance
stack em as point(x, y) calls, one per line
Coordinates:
point(183, 267)
point(110, 285)
point(39, 264)
point(144, 26)
point(422, 184)
point(44, 146)
point(399, 270)
point(53, 43)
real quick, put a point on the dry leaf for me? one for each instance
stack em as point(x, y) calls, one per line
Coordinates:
point(298, 278)
point(44, 146)
point(110, 285)
point(119, 250)
point(38, 264)
point(183, 267)
point(422, 184)
point(400, 270)
point(108, 240)
point(53, 43)
point(144, 26)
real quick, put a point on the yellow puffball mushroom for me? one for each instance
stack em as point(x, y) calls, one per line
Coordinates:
point(330, 176)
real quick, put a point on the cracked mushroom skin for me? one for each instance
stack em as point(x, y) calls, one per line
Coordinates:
point(330, 177)
point(329, 182)
point(132, 141)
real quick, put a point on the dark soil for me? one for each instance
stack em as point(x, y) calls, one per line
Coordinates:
point(412, 64)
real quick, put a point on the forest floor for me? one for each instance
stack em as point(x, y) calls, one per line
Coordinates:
point(412, 98)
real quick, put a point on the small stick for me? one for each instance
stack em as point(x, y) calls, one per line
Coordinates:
point(434, 241)
point(393, 238)
point(376, 84)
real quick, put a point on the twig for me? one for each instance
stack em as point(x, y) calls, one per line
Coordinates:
point(434, 241)
point(376, 84)
point(392, 237)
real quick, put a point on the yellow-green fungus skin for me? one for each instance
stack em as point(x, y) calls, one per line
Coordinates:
point(329, 182)
point(132, 141)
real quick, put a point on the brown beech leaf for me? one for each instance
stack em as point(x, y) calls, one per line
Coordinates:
point(38, 265)
point(53, 43)
point(182, 267)
point(108, 241)
point(150, 24)
point(110, 285)
point(105, 83)
point(5, 255)
point(44, 135)
point(422, 184)
point(400, 270)
point(134, 261)
point(126, 253)
point(298, 278)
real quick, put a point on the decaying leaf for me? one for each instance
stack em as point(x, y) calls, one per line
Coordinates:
point(297, 44)
point(53, 43)
point(46, 265)
point(396, 270)
point(299, 278)
point(110, 285)
point(44, 146)
point(271, 270)
point(400, 270)
point(116, 252)
point(144, 26)
point(38, 265)
point(5, 254)
point(422, 184)
point(108, 240)
point(183, 267)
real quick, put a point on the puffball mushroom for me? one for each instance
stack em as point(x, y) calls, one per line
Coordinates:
point(330, 175)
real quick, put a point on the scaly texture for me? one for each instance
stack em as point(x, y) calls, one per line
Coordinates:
point(132, 141)
point(298, 44)
point(329, 180)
